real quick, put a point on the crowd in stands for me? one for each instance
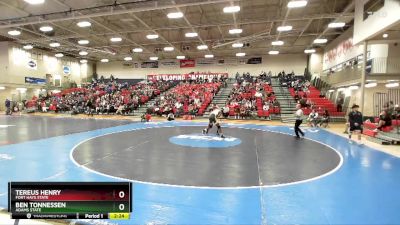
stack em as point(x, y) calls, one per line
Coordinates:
point(102, 97)
point(250, 95)
point(187, 98)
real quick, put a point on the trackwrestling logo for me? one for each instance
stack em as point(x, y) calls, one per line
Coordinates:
point(204, 141)
point(205, 138)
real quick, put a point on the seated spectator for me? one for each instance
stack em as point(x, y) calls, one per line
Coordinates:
point(325, 119)
point(385, 120)
point(313, 118)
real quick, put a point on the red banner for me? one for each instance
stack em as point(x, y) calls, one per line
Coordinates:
point(186, 63)
point(191, 76)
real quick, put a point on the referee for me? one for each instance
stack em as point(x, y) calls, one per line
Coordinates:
point(299, 120)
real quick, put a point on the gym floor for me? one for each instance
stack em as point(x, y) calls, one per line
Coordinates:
point(258, 174)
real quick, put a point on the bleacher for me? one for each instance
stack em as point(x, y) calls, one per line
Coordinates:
point(249, 94)
point(318, 103)
point(388, 135)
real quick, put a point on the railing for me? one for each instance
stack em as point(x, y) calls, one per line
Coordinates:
point(385, 65)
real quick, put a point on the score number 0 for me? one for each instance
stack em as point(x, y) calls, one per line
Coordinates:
point(121, 195)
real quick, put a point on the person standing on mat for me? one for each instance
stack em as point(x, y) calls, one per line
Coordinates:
point(299, 120)
point(355, 122)
point(213, 119)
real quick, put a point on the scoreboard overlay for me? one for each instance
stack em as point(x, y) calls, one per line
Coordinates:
point(70, 200)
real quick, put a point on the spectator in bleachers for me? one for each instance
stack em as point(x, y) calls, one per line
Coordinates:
point(325, 119)
point(339, 104)
point(313, 118)
point(385, 120)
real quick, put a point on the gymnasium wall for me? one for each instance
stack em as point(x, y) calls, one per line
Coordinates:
point(14, 68)
point(379, 21)
point(275, 64)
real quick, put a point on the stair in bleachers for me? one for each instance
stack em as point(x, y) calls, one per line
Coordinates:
point(287, 103)
point(221, 97)
point(143, 108)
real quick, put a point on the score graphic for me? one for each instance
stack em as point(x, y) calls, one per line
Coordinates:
point(70, 200)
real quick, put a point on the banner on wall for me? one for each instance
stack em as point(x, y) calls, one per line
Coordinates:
point(34, 80)
point(254, 60)
point(32, 64)
point(189, 76)
point(152, 64)
point(67, 70)
point(169, 63)
point(344, 51)
point(187, 63)
point(205, 62)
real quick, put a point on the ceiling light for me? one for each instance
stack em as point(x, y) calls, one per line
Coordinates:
point(128, 58)
point(84, 24)
point(320, 41)
point(59, 55)
point(385, 35)
point(46, 28)
point(277, 43)
point(115, 39)
point(54, 44)
point(331, 90)
point(104, 60)
point(27, 47)
point(353, 87)
point(273, 52)
point(237, 45)
point(21, 89)
point(235, 31)
point(209, 56)
point(180, 57)
point(284, 28)
point(34, 2)
point(191, 34)
point(153, 58)
point(152, 36)
point(341, 89)
point(392, 85)
point(202, 47)
point(231, 9)
point(308, 51)
point(240, 54)
point(175, 15)
point(168, 49)
point(137, 50)
point(297, 4)
point(336, 25)
point(83, 61)
point(83, 53)
point(370, 85)
point(14, 32)
point(83, 42)
point(2, 87)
